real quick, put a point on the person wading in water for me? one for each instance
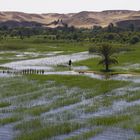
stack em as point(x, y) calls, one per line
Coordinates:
point(70, 63)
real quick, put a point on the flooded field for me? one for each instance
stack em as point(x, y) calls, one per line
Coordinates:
point(48, 61)
point(33, 106)
point(46, 99)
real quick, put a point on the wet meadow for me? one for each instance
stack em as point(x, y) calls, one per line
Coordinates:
point(43, 98)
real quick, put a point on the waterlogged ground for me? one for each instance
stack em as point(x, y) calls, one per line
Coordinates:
point(47, 62)
point(63, 104)
point(38, 107)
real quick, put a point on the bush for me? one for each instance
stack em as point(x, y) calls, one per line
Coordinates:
point(92, 49)
point(134, 40)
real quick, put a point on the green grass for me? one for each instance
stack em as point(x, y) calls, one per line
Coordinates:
point(91, 63)
point(96, 87)
point(125, 59)
point(4, 104)
point(32, 45)
point(109, 120)
point(82, 82)
point(30, 88)
point(9, 120)
point(86, 135)
point(28, 126)
point(56, 104)
point(137, 128)
point(49, 131)
point(18, 87)
point(133, 122)
point(133, 96)
point(106, 102)
point(38, 45)
point(131, 57)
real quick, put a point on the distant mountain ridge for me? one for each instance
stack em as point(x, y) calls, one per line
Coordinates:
point(85, 19)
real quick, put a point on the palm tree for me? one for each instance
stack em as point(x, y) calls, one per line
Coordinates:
point(106, 52)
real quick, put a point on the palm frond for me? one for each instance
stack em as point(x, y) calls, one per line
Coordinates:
point(113, 61)
point(106, 52)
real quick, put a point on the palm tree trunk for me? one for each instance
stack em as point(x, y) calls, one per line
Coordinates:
point(107, 67)
point(106, 63)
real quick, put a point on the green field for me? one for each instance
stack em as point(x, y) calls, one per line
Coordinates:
point(69, 107)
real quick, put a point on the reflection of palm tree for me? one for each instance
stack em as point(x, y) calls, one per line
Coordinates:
point(106, 52)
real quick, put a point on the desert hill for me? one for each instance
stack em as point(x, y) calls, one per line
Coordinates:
point(83, 19)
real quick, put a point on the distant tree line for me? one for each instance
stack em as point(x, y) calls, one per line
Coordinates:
point(111, 33)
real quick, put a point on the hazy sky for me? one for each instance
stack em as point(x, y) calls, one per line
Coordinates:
point(67, 6)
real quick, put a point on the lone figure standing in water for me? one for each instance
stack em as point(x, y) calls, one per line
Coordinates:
point(70, 62)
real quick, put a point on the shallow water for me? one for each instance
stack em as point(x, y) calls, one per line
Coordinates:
point(52, 94)
point(72, 134)
point(79, 115)
point(5, 115)
point(80, 68)
point(2, 75)
point(117, 107)
point(126, 77)
point(49, 61)
point(125, 90)
point(6, 132)
point(47, 70)
point(121, 77)
point(66, 108)
point(17, 55)
point(61, 73)
point(115, 134)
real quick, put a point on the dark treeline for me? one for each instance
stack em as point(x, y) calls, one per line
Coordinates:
point(128, 34)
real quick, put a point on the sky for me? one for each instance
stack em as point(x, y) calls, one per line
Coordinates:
point(67, 6)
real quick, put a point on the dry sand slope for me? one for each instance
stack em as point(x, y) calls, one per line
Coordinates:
point(82, 19)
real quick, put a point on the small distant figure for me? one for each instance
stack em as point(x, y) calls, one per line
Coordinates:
point(70, 62)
